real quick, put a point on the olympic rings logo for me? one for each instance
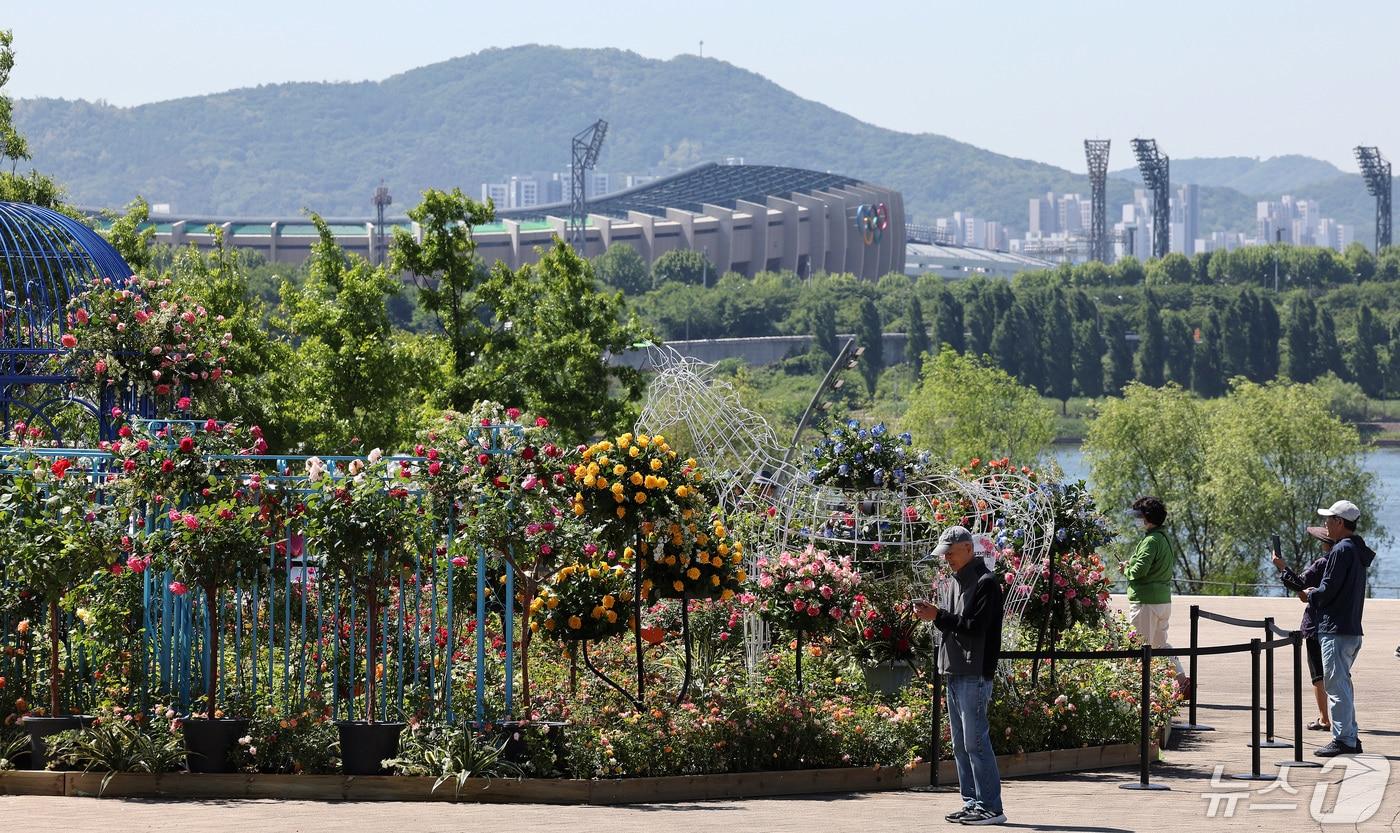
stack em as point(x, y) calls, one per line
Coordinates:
point(872, 220)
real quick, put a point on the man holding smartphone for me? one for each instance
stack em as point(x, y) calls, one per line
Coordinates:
point(967, 656)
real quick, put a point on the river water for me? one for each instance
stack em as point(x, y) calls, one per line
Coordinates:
point(1383, 462)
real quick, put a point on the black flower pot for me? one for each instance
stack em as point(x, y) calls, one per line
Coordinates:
point(208, 742)
point(365, 746)
point(516, 749)
point(41, 727)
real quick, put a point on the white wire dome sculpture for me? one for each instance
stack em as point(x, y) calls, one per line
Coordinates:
point(890, 530)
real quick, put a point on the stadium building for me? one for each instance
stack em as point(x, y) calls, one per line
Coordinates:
point(743, 218)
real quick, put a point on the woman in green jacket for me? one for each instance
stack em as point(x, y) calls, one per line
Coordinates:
point(1149, 573)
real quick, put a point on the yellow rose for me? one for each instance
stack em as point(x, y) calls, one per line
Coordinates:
point(678, 586)
point(603, 460)
point(578, 508)
point(622, 511)
point(601, 483)
point(549, 624)
point(643, 440)
point(714, 581)
point(638, 480)
point(662, 483)
point(593, 572)
point(609, 601)
point(727, 594)
point(575, 622)
point(633, 451)
point(628, 552)
point(590, 481)
point(640, 497)
point(717, 562)
point(682, 491)
point(743, 576)
point(598, 611)
point(612, 617)
point(656, 465)
point(552, 603)
point(619, 469)
point(670, 561)
point(693, 573)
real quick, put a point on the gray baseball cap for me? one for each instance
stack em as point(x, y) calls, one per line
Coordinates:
point(952, 535)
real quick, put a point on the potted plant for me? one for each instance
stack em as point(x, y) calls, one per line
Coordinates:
point(209, 546)
point(805, 593)
point(885, 637)
point(59, 533)
point(363, 525)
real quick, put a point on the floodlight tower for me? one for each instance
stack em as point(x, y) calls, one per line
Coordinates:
point(1096, 152)
point(381, 200)
point(1376, 171)
point(1156, 175)
point(587, 144)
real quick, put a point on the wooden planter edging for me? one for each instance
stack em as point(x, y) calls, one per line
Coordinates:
point(549, 790)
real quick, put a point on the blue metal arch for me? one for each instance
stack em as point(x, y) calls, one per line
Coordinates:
point(45, 258)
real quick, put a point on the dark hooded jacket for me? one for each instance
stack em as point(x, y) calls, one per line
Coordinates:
point(1336, 603)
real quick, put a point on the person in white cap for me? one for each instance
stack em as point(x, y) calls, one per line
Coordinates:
point(1336, 603)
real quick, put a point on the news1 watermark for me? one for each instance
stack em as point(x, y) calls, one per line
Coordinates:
point(1353, 799)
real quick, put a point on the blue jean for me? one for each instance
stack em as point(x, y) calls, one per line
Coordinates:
point(1338, 653)
point(978, 778)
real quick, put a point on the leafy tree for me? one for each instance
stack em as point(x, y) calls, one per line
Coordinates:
point(1302, 340)
point(446, 270)
point(552, 333)
point(824, 330)
point(683, 266)
point(1207, 376)
point(917, 343)
point(1173, 270)
point(1152, 441)
point(1329, 348)
point(1089, 354)
point(1235, 335)
point(1057, 351)
point(984, 311)
point(1151, 352)
point(1363, 358)
point(1180, 344)
point(621, 267)
point(967, 408)
point(1118, 366)
point(32, 186)
point(1360, 262)
point(948, 325)
point(1274, 457)
point(129, 238)
point(1392, 365)
point(1264, 335)
point(870, 335)
point(350, 377)
point(1130, 272)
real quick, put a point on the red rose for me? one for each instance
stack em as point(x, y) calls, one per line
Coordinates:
point(187, 445)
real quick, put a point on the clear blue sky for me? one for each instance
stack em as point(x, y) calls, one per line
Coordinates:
point(1028, 79)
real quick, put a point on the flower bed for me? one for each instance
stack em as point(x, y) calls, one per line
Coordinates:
point(406, 589)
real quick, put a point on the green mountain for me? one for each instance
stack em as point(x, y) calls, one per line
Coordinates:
point(277, 149)
point(1276, 175)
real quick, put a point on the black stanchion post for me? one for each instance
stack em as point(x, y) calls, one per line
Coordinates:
point(936, 729)
point(1254, 775)
point(1145, 728)
point(1297, 639)
point(1194, 666)
point(1269, 742)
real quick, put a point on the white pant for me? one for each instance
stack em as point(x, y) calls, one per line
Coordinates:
point(1150, 621)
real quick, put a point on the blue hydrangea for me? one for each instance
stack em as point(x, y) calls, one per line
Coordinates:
point(860, 457)
point(907, 438)
point(852, 424)
point(840, 448)
point(1061, 534)
point(843, 470)
point(862, 434)
point(879, 476)
point(876, 448)
point(879, 429)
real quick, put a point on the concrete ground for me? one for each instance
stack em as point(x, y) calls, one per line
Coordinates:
point(1346, 796)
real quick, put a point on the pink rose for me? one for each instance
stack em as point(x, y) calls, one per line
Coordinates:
point(178, 588)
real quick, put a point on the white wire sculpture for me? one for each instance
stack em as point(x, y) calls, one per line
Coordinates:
point(889, 530)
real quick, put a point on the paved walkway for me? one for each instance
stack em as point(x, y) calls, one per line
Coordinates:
point(1079, 802)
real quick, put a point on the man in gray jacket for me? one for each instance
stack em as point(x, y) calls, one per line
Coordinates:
point(967, 656)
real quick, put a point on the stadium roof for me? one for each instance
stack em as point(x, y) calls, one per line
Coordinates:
point(710, 183)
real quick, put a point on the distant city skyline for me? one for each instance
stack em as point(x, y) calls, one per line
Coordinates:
point(1024, 79)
